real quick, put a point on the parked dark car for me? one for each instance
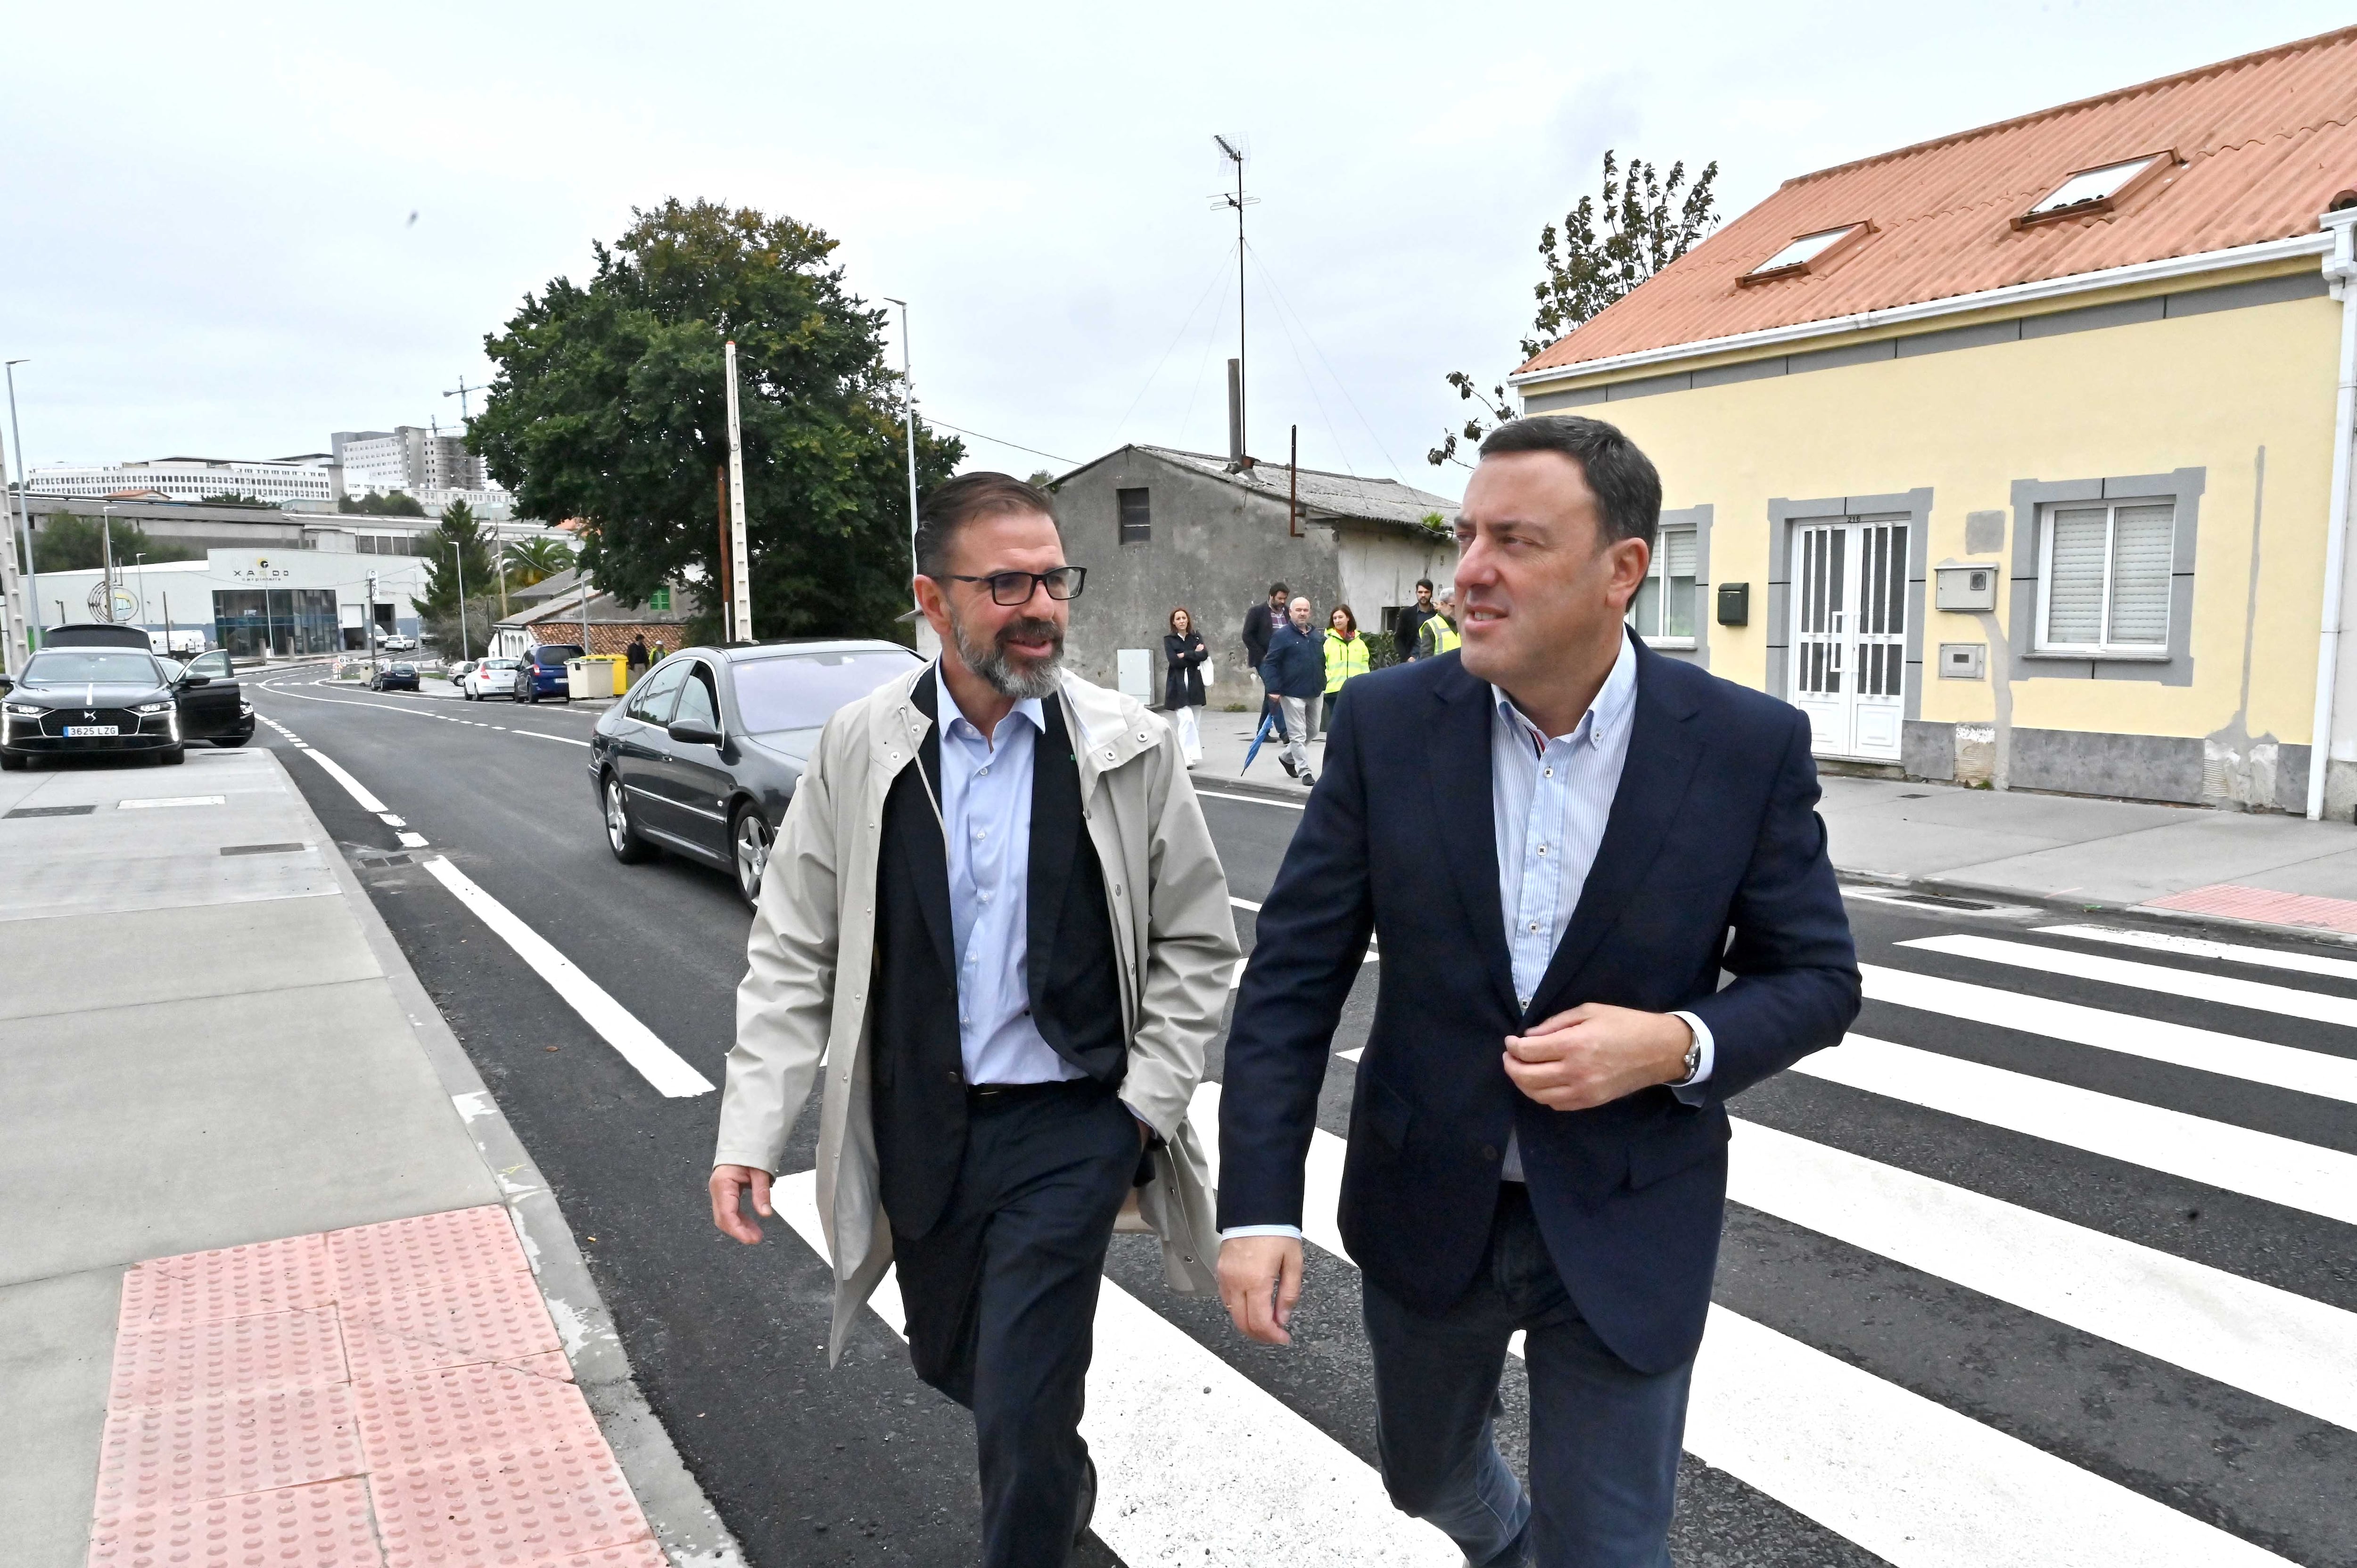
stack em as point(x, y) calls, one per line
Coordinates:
point(541, 671)
point(96, 634)
point(104, 701)
point(703, 755)
point(215, 708)
point(394, 678)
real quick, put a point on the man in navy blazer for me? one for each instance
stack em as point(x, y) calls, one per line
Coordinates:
point(1560, 840)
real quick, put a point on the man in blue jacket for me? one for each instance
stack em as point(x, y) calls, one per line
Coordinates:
point(1295, 672)
point(1560, 839)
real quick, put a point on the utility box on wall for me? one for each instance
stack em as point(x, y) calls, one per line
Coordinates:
point(1966, 588)
point(1734, 604)
point(1962, 660)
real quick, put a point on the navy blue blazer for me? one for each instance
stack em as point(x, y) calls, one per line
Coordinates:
point(1712, 857)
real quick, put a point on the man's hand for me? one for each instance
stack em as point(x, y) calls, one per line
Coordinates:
point(1594, 1055)
point(1260, 1279)
point(729, 1184)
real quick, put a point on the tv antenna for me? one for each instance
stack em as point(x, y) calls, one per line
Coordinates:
point(1239, 200)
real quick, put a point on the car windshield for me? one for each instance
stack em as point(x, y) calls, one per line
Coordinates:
point(63, 669)
point(800, 691)
point(556, 653)
point(500, 664)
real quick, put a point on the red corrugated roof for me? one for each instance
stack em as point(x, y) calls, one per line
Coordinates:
point(2264, 142)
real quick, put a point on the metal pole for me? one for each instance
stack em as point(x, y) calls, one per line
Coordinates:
point(107, 543)
point(908, 391)
point(740, 577)
point(2341, 272)
point(459, 563)
point(1243, 359)
point(25, 514)
point(16, 607)
point(367, 628)
point(720, 505)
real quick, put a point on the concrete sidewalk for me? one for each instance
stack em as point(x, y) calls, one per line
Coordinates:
point(211, 1042)
point(1942, 839)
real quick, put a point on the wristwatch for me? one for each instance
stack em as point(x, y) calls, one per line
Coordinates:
point(1694, 1058)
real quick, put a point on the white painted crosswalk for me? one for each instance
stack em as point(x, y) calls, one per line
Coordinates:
point(1918, 1483)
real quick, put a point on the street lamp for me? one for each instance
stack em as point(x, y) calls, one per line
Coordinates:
point(459, 563)
point(24, 515)
point(909, 391)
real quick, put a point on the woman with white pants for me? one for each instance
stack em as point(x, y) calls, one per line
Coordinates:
point(1182, 690)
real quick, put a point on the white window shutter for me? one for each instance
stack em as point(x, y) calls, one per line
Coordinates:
point(2074, 577)
point(2143, 545)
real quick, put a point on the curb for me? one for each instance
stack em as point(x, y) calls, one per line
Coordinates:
point(1287, 794)
point(683, 1518)
point(1941, 887)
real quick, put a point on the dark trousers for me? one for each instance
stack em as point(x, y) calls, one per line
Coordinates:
point(1001, 1298)
point(1604, 1437)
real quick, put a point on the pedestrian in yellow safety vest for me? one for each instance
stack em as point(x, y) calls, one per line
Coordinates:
point(1346, 655)
point(1439, 633)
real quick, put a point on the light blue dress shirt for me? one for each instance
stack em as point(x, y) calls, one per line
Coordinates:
point(1550, 799)
point(986, 820)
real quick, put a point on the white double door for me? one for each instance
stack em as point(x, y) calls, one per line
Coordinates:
point(1850, 636)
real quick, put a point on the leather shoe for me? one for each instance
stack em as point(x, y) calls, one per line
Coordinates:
point(1286, 763)
point(1088, 1501)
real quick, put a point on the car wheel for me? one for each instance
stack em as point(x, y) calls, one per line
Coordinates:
point(621, 836)
point(227, 741)
point(10, 764)
point(173, 758)
point(748, 844)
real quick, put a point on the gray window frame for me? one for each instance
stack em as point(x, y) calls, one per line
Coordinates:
point(2033, 500)
point(1142, 531)
point(1695, 650)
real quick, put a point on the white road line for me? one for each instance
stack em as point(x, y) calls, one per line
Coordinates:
point(1196, 1464)
point(353, 787)
point(2231, 1055)
point(564, 739)
point(656, 1062)
point(2258, 995)
point(1352, 1055)
point(411, 839)
point(2258, 1165)
point(391, 821)
point(1253, 799)
point(1243, 904)
point(2281, 1346)
point(2198, 947)
point(1906, 1478)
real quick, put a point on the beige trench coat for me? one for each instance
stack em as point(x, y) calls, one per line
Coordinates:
point(803, 1005)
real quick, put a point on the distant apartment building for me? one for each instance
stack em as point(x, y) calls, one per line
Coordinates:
point(306, 482)
point(407, 458)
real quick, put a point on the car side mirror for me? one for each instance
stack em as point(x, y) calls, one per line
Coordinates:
point(193, 678)
point(7, 682)
point(694, 732)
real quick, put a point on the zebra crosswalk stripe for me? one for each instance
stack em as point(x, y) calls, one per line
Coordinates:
point(2202, 947)
point(2155, 1039)
point(2258, 1165)
point(2256, 994)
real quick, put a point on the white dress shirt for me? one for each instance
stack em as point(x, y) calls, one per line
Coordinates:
point(986, 818)
point(1550, 799)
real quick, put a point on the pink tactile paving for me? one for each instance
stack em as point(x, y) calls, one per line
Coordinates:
point(230, 1282)
point(410, 1419)
point(389, 1259)
point(511, 1506)
point(322, 1526)
point(154, 1456)
point(176, 1363)
point(391, 1392)
point(448, 1321)
point(2264, 905)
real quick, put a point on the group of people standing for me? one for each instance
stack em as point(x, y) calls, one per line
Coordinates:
point(1302, 671)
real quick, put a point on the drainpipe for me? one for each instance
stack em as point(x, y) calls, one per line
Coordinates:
point(2340, 267)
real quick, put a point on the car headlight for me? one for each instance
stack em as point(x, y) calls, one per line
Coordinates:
point(153, 708)
point(24, 709)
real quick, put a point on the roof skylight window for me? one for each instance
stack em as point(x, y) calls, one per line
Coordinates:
point(2097, 189)
point(1807, 252)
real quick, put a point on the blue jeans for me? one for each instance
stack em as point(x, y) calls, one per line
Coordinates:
point(1605, 1438)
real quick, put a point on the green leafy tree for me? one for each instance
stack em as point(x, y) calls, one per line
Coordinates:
point(441, 626)
point(71, 543)
point(610, 406)
point(457, 550)
point(390, 503)
point(1648, 221)
point(530, 561)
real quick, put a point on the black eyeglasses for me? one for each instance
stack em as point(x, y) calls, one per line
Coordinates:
point(1011, 588)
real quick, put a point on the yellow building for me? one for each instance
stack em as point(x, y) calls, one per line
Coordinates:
point(2022, 455)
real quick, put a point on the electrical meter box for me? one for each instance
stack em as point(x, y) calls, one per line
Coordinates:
point(1734, 604)
point(1972, 586)
point(1962, 660)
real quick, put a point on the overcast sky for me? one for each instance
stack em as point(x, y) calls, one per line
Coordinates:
point(211, 249)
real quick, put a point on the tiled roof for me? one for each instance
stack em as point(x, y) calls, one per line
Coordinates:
point(1323, 493)
point(2264, 142)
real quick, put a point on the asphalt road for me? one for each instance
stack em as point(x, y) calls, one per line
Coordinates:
point(2099, 1407)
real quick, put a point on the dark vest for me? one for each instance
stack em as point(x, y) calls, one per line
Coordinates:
point(917, 1070)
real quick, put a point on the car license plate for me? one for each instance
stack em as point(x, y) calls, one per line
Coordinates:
point(81, 732)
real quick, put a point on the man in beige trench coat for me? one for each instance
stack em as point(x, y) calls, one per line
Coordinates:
point(995, 920)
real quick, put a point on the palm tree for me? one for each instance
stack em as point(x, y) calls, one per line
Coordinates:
point(530, 561)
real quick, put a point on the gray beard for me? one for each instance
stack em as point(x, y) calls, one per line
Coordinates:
point(995, 666)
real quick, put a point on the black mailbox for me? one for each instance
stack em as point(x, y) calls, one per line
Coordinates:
point(1735, 603)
